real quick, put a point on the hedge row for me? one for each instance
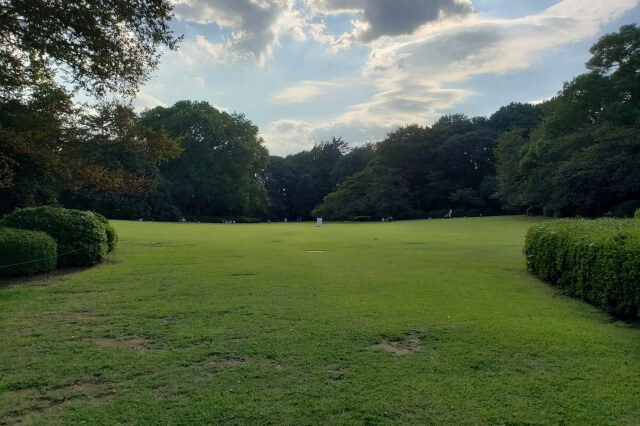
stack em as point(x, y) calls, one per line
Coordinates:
point(637, 214)
point(596, 260)
point(83, 238)
point(26, 252)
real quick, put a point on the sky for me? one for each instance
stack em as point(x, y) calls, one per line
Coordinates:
point(304, 71)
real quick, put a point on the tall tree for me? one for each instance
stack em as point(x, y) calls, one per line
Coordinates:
point(219, 173)
point(582, 159)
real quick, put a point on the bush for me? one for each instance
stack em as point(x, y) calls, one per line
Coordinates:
point(246, 219)
point(534, 211)
point(438, 214)
point(492, 211)
point(362, 218)
point(81, 237)
point(413, 214)
point(112, 235)
point(596, 260)
point(637, 214)
point(459, 212)
point(626, 209)
point(28, 252)
point(473, 213)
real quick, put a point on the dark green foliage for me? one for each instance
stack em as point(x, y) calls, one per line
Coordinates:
point(414, 214)
point(297, 183)
point(219, 170)
point(438, 214)
point(29, 252)
point(516, 116)
point(352, 162)
point(626, 209)
point(246, 219)
point(95, 45)
point(597, 261)
point(473, 213)
point(112, 235)
point(81, 237)
point(637, 214)
point(582, 159)
point(375, 191)
point(363, 219)
point(220, 219)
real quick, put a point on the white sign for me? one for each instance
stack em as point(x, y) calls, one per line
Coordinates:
point(319, 221)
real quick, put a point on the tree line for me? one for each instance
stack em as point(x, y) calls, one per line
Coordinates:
point(575, 154)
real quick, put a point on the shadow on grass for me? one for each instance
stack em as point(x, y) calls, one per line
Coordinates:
point(48, 276)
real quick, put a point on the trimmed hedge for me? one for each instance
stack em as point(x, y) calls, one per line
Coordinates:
point(112, 235)
point(596, 260)
point(25, 252)
point(81, 236)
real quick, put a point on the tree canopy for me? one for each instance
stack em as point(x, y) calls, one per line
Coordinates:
point(575, 154)
point(94, 45)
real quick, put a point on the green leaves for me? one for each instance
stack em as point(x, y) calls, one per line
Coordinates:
point(582, 160)
point(597, 261)
point(97, 46)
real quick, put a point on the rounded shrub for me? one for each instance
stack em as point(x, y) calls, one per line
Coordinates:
point(112, 235)
point(637, 214)
point(81, 236)
point(25, 252)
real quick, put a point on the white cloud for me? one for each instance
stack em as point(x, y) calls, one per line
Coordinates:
point(418, 75)
point(303, 92)
point(420, 51)
point(286, 136)
point(146, 101)
point(256, 25)
point(455, 51)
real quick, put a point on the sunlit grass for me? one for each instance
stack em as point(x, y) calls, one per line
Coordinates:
point(425, 322)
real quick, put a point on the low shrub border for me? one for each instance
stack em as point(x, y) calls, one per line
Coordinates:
point(637, 214)
point(80, 235)
point(596, 260)
point(25, 252)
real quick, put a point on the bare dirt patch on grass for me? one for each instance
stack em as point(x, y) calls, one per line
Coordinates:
point(410, 344)
point(131, 343)
point(226, 360)
point(338, 373)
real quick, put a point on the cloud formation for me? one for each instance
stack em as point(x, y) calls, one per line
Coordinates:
point(418, 75)
point(303, 92)
point(389, 18)
point(405, 61)
point(256, 25)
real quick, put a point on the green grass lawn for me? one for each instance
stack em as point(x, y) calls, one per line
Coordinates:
point(415, 322)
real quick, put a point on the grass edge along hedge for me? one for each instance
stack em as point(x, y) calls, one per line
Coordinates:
point(24, 252)
point(81, 236)
point(595, 260)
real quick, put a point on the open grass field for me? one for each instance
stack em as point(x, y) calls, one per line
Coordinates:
point(414, 322)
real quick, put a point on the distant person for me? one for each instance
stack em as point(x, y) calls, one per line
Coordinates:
point(449, 214)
